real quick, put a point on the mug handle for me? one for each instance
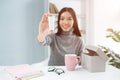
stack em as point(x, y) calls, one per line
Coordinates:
point(78, 60)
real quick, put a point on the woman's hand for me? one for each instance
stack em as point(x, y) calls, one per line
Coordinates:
point(44, 27)
point(44, 23)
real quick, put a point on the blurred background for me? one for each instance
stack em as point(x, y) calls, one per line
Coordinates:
point(19, 21)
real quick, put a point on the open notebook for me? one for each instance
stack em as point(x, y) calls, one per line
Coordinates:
point(23, 71)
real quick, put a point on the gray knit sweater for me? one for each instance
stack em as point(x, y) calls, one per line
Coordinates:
point(66, 43)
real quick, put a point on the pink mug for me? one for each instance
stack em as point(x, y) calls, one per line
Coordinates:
point(71, 60)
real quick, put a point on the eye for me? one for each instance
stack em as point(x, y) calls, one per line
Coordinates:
point(70, 19)
point(61, 18)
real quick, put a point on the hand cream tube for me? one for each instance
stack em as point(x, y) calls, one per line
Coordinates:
point(51, 20)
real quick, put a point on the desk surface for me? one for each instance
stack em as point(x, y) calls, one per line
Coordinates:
point(111, 73)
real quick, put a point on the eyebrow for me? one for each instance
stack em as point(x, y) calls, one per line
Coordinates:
point(64, 17)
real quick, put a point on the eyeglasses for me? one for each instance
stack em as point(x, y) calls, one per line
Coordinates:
point(57, 70)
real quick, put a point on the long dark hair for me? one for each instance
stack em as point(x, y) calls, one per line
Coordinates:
point(75, 24)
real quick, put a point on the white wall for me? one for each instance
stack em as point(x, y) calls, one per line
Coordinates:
point(106, 14)
point(75, 4)
point(89, 22)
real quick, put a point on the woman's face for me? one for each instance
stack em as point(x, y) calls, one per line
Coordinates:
point(66, 21)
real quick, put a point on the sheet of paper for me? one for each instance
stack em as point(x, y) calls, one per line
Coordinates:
point(21, 70)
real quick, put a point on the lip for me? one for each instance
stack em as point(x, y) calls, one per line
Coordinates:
point(65, 26)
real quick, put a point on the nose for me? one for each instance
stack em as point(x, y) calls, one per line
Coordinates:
point(65, 21)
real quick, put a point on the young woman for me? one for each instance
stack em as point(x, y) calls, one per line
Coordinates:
point(67, 40)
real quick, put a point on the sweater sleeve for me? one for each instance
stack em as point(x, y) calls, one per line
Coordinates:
point(47, 41)
point(81, 47)
point(80, 51)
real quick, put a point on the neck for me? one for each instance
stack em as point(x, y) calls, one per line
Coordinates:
point(68, 32)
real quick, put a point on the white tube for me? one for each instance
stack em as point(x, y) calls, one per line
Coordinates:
point(51, 20)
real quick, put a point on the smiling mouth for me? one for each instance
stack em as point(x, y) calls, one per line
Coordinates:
point(65, 27)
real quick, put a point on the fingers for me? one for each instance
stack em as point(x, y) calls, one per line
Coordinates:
point(45, 17)
point(48, 32)
point(51, 31)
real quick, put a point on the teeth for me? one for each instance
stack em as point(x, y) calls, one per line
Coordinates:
point(65, 27)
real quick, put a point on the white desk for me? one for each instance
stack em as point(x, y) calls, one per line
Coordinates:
point(111, 73)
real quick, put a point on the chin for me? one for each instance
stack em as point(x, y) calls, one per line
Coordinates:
point(65, 30)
